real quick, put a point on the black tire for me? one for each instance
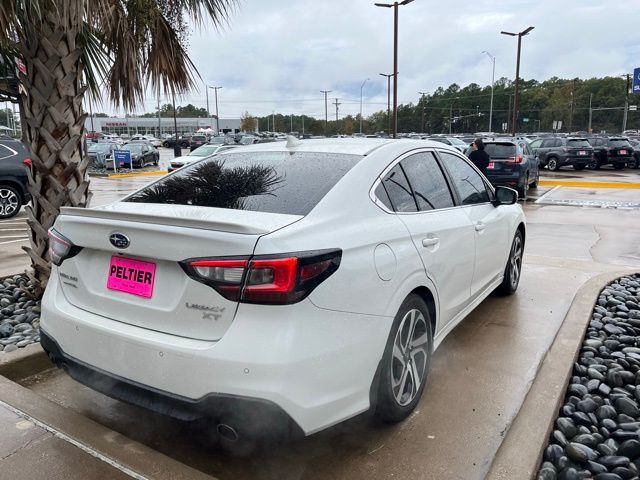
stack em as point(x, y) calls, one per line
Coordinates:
point(156, 160)
point(165, 144)
point(396, 400)
point(594, 164)
point(513, 271)
point(10, 201)
point(552, 164)
point(579, 167)
point(535, 183)
point(522, 190)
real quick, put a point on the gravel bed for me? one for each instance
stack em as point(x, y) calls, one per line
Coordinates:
point(597, 432)
point(19, 314)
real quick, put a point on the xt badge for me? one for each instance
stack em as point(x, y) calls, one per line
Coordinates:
point(208, 312)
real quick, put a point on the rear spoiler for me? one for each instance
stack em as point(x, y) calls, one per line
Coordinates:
point(205, 218)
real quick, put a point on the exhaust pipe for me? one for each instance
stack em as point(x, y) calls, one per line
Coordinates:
point(227, 432)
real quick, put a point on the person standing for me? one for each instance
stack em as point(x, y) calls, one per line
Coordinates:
point(478, 156)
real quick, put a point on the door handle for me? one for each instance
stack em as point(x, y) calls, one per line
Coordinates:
point(430, 241)
point(480, 226)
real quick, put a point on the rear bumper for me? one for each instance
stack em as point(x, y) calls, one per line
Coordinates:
point(313, 366)
point(511, 180)
point(576, 160)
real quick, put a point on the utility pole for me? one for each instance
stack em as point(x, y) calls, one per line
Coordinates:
point(273, 120)
point(388, 97)
point(303, 124)
point(451, 114)
point(361, 104)
point(159, 125)
point(215, 89)
point(206, 89)
point(291, 123)
point(590, 112)
point(326, 115)
point(626, 104)
point(336, 104)
point(573, 88)
point(493, 81)
point(509, 112)
point(177, 151)
point(423, 101)
point(516, 99)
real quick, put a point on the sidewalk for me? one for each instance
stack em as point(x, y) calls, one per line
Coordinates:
point(30, 451)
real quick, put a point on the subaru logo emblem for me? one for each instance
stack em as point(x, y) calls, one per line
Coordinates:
point(119, 240)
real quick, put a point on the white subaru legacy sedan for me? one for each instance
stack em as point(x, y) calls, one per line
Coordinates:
point(291, 284)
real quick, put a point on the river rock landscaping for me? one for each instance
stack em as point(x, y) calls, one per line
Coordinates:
point(597, 432)
point(19, 314)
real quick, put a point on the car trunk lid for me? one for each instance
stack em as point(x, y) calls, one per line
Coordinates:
point(151, 289)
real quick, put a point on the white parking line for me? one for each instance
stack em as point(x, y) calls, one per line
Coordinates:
point(539, 200)
point(15, 241)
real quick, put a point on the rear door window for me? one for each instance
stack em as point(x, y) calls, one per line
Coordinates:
point(6, 152)
point(397, 187)
point(427, 181)
point(469, 184)
point(274, 182)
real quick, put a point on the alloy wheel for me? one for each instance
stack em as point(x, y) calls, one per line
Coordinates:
point(515, 262)
point(552, 164)
point(409, 357)
point(9, 202)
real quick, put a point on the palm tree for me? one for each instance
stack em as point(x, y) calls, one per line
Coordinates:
point(70, 47)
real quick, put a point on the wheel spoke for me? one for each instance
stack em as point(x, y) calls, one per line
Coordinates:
point(420, 341)
point(402, 384)
point(416, 382)
point(397, 353)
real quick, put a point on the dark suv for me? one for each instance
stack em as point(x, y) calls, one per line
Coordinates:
point(556, 152)
point(616, 151)
point(14, 161)
point(513, 164)
point(197, 141)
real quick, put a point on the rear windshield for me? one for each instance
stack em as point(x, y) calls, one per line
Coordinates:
point(619, 142)
point(199, 138)
point(274, 182)
point(500, 150)
point(578, 142)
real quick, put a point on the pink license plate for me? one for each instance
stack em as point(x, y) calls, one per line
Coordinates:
point(131, 276)
point(491, 165)
point(623, 152)
point(582, 152)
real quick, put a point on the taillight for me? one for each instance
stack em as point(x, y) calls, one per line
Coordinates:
point(60, 247)
point(267, 279)
point(27, 162)
point(515, 159)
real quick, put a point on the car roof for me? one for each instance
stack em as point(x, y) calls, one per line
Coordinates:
point(347, 146)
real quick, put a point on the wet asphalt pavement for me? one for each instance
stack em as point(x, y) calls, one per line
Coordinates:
point(479, 378)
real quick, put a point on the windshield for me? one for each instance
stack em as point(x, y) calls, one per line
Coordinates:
point(578, 142)
point(274, 182)
point(217, 140)
point(100, 148)
point(204, 151)
point(133, 147)
point(619, 142)
point(500, 150)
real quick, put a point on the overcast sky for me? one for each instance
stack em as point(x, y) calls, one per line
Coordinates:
point(278, 54)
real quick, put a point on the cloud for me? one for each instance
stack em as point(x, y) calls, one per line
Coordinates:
point(279, 55)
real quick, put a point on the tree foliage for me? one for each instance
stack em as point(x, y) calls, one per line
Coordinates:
point(248, 123)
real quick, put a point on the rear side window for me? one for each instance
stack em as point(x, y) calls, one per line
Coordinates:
point(427, 181)
point(577, 143)
point(468, 182)
point(6, 152)
point(396, 185)
point(274, 182)
point(500, 150)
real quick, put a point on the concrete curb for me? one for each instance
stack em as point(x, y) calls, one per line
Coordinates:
point(588, 184)
point(93, 437)
point(23, 362)
point(521, 450)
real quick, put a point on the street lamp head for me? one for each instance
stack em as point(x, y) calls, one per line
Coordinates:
point(405, 2)
point(388, 5)
point(509, 33)
point(527, 31)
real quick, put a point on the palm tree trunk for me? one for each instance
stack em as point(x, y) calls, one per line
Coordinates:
point(54, 125)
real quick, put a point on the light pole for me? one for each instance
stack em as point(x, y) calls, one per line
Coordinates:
point(326, 112)
point(215, 89)
point(493, 81)
point(206, 89)
point(388, 75)
point(423, 95)
point(361, 86)
point(516, 100)
point(451, 113)
point(395, 59)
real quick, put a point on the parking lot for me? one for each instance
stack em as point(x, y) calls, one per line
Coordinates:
point(480, 374)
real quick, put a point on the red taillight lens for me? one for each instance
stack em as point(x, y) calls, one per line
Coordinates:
point(514, 159)
point(27, 162)
point(60, 247)
point(275, 280)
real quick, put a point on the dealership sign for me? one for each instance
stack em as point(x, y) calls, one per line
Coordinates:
point(115, 124)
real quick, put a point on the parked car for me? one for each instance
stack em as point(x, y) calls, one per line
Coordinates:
point(513, 165)
point(197, 141)
point(635, 163)
point(14, 161)
point(100, 152)
point(455, 142)
point(615, 151)
point(142, 154)
point(147, 138)
point(184, 142)
point(556, 152)
point(264, 280)
point(197, 154)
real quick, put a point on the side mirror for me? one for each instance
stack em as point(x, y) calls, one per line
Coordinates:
point(505, 196)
